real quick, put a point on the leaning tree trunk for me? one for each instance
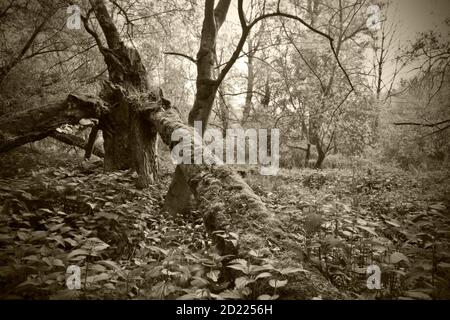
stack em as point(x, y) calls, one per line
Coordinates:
point(227, 203)
point(178, 198)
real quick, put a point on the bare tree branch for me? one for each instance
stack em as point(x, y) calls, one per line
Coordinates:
point(246, 28)
point(431, 125)
point(4, 70)
point(181, 55)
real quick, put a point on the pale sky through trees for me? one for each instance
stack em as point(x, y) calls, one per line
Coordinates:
point(412, 17)
point(420, 15)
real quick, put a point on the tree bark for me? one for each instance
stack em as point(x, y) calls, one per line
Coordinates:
point(38, 123)
point(224, 113)
point(307, 155)
point(178, 198)
point(320, 156)
point(207, 86)
point(225, 200)
point(130, 143)
point(91, 141)
point(250, 82)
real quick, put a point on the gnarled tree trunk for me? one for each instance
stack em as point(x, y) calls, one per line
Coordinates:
point(227, 203)
point(128, 142)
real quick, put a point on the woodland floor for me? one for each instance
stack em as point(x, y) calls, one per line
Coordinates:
point(55, 212)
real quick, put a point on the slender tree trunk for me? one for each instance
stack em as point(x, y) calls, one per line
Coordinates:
point(250, 82)
point(178, 198)
point(207, 85)
point(307, 155)
point(320, 156)
point(204, 101)
point(91, 142)
point(224, 113)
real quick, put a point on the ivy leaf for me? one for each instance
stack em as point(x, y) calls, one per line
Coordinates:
point(234, 235)
point(417, 295)
point(255, 268)
point(99, 277)
point(369, 230)
point(100, 247)
point(162, 290)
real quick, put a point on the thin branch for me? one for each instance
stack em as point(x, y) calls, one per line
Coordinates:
point(246, 30)
point(76, 141)
point(436, 131)
point(124, 13)
point(421, 124)
point(7, 68)
point(303, 58)
point(92, 32)
point(181, 55)
point(297, 147)
point(9, 6)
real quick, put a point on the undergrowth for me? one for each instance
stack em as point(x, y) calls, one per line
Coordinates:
point(57, 213)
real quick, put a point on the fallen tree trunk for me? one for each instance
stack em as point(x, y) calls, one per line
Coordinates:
point(230, 207)
point(234, 216)
point(73, 140)
point(227, 203)
point(38, 123)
